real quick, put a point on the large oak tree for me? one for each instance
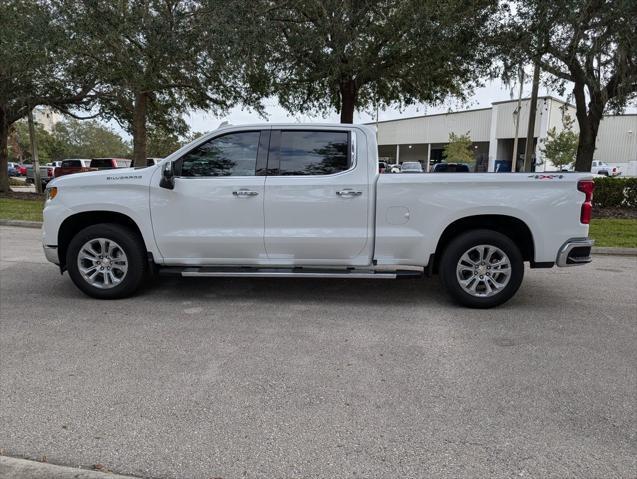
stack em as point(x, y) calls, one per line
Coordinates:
point(39, 65)
point(589, 44)
point(322, 55)
point(155, 60)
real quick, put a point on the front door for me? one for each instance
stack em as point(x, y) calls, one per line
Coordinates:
point(316, 199)
point(214, 214)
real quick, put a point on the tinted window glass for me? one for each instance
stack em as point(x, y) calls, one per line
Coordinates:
point(313, 152)
point(234, 154)
point(71, 163)
point(104, 163)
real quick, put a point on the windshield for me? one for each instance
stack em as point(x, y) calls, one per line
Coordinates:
point(411, 166)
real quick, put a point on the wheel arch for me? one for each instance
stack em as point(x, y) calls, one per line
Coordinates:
point(75, 223)
point(510, 226)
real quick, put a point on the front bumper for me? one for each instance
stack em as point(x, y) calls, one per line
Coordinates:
point(575, 252)
point(51, 254)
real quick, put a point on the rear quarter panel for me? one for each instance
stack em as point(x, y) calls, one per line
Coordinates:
point(413, 210)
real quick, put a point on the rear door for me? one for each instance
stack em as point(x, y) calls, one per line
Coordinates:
point(316, 198)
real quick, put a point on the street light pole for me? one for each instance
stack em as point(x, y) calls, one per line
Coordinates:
point(528, 151)
point(518, 110)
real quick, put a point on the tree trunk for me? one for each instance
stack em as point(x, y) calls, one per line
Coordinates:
point(348, 100)
point(4, 150)
point(588, 126)
point(139, 129)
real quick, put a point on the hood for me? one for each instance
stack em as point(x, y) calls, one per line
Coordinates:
point(115, 176)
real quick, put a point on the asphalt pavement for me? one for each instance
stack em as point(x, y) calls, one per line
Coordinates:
point(247, 378)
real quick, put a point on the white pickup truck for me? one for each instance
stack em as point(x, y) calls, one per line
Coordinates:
point(308, 201)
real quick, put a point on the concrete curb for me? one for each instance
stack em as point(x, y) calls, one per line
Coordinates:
point(13, 468)
point(614, 251)
point(596, 249)
point(21, 223)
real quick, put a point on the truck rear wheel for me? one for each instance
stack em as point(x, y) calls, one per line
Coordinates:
point(106, 261)
point(481, 268)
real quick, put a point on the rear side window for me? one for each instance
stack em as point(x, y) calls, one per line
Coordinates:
point(313, 152)
point(123, 163)
point(234, 154)
point(71, 163)
point(101, 163)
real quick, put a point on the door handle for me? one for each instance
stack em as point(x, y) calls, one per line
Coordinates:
point(245, 193)
point(348, 193)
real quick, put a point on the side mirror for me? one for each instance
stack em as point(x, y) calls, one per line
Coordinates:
point(167, 176)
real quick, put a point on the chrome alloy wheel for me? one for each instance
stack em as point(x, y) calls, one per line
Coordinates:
point(483, 270)
point(102, 263)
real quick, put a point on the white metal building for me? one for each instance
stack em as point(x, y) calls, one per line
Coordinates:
point(492, 131)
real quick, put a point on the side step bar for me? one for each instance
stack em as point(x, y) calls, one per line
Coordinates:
point(290, 273)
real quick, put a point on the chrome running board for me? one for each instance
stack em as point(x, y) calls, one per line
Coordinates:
point(209, 272)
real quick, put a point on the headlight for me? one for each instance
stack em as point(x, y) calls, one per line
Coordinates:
point(51, 192)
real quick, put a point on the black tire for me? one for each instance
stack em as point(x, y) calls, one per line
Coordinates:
point(130, 243)
point(463, 243)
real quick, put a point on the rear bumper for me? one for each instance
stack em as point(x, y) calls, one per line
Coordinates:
point(575, 252)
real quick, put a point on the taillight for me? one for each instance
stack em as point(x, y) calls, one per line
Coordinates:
point(587, 187)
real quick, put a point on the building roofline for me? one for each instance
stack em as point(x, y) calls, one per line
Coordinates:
point(427, 116)
point(544, 97)
point(527, 98)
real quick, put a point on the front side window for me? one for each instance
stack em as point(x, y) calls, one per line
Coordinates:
point(234, 154)
point(313, 152)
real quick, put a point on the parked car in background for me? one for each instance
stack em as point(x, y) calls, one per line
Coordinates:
point(502, 166)
point(71, 166)
point(46, 174)
point(12, 169)
point(411, 167)
point(110, 163)
point(601, 168)
point(450, 168)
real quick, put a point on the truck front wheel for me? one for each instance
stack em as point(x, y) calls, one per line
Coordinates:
point(481, 268)
point(106, 261)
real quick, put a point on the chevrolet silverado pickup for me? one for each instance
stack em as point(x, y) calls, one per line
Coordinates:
point(308, 201)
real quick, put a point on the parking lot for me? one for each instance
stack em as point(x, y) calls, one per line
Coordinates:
point(269, 378)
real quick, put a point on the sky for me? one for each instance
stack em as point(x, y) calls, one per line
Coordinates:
point(492, 91)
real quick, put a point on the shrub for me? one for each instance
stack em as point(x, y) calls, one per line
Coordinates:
point(615, 193)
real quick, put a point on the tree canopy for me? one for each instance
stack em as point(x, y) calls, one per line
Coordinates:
point(69, 139)
point(458, 150)
point(346, 55)
point(154, 60)
point(39, 65)
point(560, 147)
point(591, 44)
